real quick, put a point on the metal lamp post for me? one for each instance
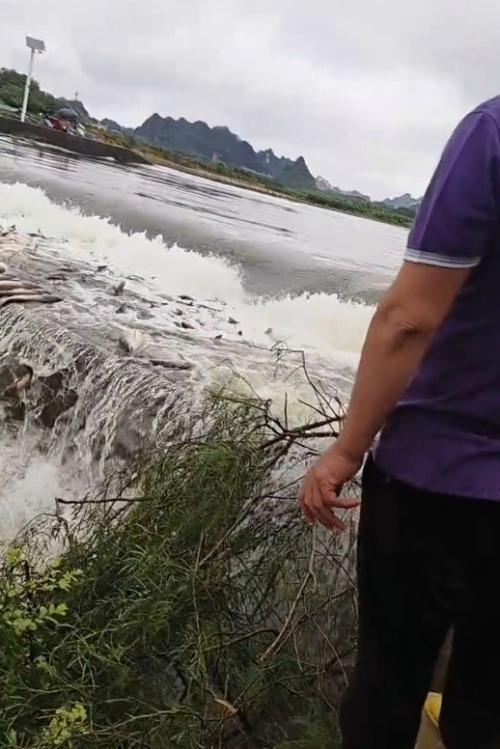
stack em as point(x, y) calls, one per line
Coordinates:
point(37, 47)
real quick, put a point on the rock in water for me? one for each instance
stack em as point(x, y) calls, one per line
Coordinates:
point(56, 407)
point(54, 397)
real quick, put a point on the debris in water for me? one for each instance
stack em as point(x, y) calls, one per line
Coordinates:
point(14, 377)
point(119, 288)
point(181, 366)
point(144, 314)
point(121, 309)
point(187, 325)
point(133, 341)
point(29, 298)
point(232, 321)
point(15, 286)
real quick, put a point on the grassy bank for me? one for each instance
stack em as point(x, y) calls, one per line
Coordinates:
point(202, 614)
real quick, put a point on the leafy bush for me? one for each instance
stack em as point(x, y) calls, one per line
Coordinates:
point(12, 91)
point(202, 613)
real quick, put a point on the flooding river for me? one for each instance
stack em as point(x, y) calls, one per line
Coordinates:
point(216, 278)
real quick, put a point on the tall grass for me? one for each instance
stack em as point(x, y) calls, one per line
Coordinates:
point(202, 614)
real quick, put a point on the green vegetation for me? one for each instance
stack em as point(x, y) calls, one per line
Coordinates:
point(201, 614)
point(12, 91)
point(364, 208)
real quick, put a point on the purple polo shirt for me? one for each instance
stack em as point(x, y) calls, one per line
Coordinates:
point(444, 435)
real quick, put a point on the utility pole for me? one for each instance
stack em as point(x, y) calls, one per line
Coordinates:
point(35, 46)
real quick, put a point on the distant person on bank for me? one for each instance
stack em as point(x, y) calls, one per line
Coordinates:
point(429, 535)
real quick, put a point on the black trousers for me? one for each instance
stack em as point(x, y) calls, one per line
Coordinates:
point(426, 562)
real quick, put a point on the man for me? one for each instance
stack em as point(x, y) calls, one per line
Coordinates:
point(429, 536)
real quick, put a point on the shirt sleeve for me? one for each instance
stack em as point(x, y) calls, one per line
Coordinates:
point(459, 213)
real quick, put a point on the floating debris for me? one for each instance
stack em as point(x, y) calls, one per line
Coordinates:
point(119, 289)
point(30, 299)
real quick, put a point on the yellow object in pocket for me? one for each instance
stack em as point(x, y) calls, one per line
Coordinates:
point(433, 707)
point(429, 736)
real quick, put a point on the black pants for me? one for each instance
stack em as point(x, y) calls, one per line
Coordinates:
point(426, 562)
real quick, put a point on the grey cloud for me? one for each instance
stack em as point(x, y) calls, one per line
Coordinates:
point(366, 92)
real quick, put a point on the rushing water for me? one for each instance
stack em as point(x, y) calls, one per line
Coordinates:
point(215, 277)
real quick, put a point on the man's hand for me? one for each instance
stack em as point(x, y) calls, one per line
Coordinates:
point(319, 496)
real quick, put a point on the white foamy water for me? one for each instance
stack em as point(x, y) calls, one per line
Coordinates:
point(313, 322)
point(114, 388)
point(174, 269)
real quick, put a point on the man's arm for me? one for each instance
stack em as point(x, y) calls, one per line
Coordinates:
point(453, 230)
point(400, 333)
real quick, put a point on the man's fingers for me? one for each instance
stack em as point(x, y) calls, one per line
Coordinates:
point(332, 500)
point(307, 513)
point(303, 504)
point(322, 512)
point(317, 504)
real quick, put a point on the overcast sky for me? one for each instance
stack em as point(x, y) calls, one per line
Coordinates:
point(367, 91)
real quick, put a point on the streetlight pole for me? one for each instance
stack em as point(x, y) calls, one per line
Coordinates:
point(27, 86)
point(35, 45)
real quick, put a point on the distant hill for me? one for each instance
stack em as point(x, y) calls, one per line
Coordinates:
point(220, 144)
point(215, 145)
point(325, 186)
point(322, 184)
point(78, 107)
point(115, 127)
point(403, 201)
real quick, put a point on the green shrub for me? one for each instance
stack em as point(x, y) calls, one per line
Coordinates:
point(190, 617)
